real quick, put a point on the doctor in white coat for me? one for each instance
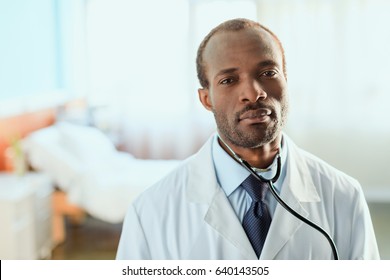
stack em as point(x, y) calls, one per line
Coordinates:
point(196, 211)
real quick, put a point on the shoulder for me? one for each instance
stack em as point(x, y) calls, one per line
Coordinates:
point(170, 186)
point(193, 172)
point(321, 172)
point(324, 170)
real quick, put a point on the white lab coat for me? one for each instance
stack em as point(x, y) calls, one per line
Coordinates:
point(188, 216)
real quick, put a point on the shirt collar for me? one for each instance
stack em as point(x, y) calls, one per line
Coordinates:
point(230, 174)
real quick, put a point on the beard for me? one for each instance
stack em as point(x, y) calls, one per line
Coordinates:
point(256, 135)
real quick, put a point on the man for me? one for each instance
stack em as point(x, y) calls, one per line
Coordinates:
point(206, 208)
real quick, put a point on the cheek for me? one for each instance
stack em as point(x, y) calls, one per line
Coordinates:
point(229, 97)
point(279, 94)
point(224, 111)
point(278, 89)
point(226, 107)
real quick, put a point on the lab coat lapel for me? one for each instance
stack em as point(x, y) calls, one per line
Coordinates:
point(298, 187)
point(283, 227)
point(222, 218)
point(203, 188)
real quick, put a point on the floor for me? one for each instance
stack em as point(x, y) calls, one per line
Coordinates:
point(380, 214)
point(92, 240)
point(96, 240)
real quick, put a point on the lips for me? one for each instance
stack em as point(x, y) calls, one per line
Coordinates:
point(257, 115)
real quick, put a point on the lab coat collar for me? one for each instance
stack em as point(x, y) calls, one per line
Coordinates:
point(202, 180)
point(298, 177)
point(203, 183)
point(298, 188)
point(203, 188)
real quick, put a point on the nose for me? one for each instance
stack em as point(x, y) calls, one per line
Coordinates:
point(252, 91)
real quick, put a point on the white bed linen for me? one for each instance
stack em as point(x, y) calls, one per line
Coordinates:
point(80, 162)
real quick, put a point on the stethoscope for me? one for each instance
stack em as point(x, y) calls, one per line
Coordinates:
point(274, 193)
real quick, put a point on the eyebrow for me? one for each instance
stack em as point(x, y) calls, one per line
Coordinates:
point(226, 71)
point(261, 64)
point(266, 63)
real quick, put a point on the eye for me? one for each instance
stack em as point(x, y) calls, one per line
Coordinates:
point(226, 81)
point(269, 73)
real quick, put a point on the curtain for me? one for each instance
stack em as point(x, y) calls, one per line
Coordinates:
point(141, 65)
point(338, 60)
point(338, 64)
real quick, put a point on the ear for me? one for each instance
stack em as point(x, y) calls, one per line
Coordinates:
point(205, 99)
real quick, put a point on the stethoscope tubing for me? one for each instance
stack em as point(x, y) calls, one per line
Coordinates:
point(277, 197)
point(286, 206)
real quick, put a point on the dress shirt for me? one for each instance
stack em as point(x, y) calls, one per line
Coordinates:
point(230, 175)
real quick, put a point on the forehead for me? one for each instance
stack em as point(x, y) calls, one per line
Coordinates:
point(252, 44)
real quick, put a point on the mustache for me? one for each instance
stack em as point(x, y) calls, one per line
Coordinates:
point(254, 107)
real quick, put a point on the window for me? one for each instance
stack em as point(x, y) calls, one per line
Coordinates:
point(141, 54)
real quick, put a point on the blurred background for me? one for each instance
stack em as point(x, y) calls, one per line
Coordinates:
point(120, 74)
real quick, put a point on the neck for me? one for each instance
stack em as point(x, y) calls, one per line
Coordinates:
point(260, 157)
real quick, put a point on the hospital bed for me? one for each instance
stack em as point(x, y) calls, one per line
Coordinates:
point(85, 165)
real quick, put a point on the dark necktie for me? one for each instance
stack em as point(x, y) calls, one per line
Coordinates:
point(257, 219)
